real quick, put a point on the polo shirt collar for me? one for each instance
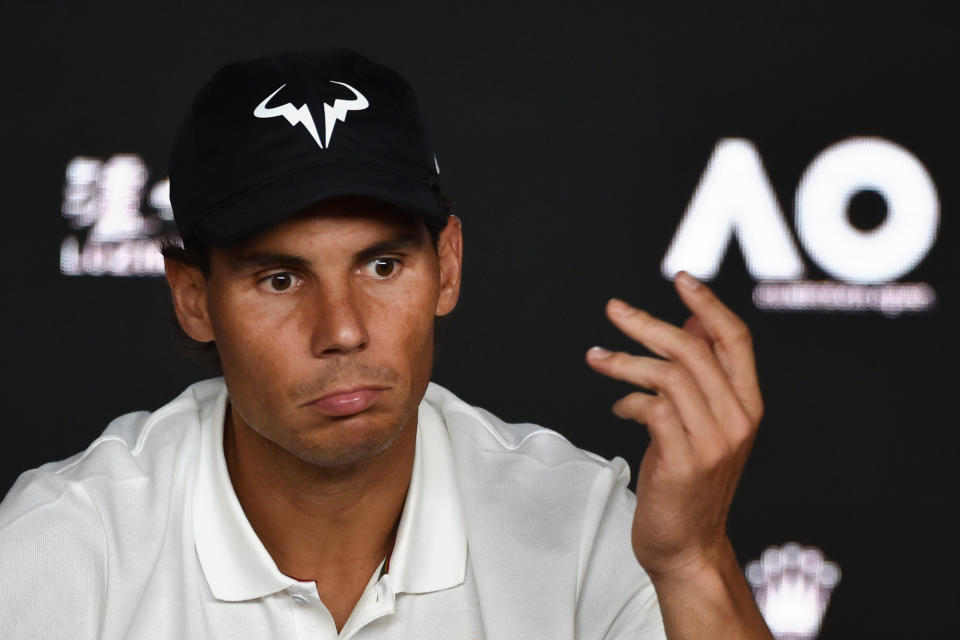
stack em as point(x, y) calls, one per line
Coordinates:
point(430, 551)
point(236, 564)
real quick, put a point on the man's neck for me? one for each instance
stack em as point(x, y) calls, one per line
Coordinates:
point(332, 526)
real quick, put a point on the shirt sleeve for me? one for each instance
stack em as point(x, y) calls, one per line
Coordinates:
point(53, 571)
point(615, 600)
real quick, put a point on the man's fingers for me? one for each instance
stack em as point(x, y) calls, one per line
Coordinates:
point(662, 420)
point(731, 339)
point(683, 347)
point(675, 385)
point(694, 327)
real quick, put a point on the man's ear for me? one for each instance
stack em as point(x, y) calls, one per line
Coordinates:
point(450, 255)
point(188, 289)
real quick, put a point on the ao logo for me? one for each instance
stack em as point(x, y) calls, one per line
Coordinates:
point(735, 197)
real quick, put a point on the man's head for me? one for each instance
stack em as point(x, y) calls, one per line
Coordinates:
point(326, 249)
point(339, 298)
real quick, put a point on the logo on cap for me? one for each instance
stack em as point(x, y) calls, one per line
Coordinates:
point(302, 115)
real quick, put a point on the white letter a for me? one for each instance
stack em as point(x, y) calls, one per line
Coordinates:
point(734, 196)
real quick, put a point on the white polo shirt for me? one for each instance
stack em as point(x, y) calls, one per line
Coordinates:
point(507, 532)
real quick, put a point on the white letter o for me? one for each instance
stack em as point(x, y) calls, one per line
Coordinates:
point(896, 246)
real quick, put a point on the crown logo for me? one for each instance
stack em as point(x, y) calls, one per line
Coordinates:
point(792, 585)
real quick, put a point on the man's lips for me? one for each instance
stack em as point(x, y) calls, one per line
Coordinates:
point(348, 401)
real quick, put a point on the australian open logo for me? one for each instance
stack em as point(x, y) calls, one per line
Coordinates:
point(116, 225)
point(735, 200)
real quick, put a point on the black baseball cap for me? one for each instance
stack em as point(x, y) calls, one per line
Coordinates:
point(265, 139)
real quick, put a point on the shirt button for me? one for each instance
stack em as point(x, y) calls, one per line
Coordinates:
point(299, 598)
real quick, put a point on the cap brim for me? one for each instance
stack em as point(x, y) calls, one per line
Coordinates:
point(265, 205)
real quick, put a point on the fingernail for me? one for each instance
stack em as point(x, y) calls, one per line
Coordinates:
point(619, 307)
point(597, 353)
point(687, 281)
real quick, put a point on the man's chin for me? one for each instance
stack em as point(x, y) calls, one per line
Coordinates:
point(349, 441)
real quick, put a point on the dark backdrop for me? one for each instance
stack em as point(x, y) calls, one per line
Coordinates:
point(571, 138)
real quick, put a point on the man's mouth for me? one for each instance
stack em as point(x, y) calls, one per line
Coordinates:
point(345, 402)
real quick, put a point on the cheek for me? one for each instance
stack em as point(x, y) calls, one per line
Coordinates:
point(254, 346)
point(420, 344)
point(405, 323)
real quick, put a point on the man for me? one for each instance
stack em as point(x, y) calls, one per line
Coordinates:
point(324, 487)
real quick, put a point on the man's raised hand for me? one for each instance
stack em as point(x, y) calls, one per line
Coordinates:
point(702, 421)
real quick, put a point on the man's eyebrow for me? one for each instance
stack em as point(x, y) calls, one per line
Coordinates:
point(401, 241)
point(261, 259)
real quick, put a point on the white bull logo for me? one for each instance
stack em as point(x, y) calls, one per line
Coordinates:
point(302, 115)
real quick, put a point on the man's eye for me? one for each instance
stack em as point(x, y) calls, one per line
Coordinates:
point(382, 267)
point(280, 282)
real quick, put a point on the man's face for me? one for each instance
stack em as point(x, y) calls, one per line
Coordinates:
point(324, 326)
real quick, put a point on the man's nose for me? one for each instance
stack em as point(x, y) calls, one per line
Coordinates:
point(339, 325)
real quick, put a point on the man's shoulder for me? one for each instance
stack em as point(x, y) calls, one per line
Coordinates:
point(518, 470)
point(534, 504)
point(132, 451)
point(514, 443)
point(65, 524)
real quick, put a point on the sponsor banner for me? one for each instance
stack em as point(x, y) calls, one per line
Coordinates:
point(117, 223)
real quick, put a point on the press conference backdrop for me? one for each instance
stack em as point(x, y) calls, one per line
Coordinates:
point(802, 160)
